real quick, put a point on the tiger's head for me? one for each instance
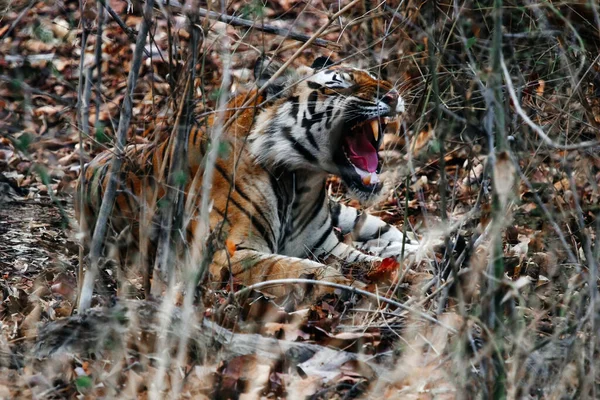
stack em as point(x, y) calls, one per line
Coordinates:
point(329, 119)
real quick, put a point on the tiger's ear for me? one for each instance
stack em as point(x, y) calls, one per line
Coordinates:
point(264, 69)
point(322, 62)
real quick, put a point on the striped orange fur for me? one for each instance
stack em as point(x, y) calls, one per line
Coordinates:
point(268, 191)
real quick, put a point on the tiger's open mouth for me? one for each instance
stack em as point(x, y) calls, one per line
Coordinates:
point(360, 146)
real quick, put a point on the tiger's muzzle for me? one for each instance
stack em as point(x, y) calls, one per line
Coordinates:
point(358, 153)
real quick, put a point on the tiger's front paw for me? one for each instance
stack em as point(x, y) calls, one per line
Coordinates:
point(390, 249)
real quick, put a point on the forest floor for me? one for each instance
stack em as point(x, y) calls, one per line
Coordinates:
point(449, 341)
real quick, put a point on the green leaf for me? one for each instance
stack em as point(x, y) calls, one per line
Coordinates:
point(83, 382)
point(255, 9)
point(23, 142)
point(434, 146)
point(471, 41)
point(101, 137)
point(45, 35)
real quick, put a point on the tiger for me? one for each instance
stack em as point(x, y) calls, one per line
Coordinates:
point(269, 191)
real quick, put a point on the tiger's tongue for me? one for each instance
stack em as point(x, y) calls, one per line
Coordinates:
point(362, 153)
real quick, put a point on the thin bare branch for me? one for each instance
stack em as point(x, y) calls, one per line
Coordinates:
point(237, 21)
point(350, 289)
point(537, 129)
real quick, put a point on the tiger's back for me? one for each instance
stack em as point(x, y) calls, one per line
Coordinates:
point(142, 182)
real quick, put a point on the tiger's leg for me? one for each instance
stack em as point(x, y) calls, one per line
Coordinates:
point(251, 266)
point(370, 233)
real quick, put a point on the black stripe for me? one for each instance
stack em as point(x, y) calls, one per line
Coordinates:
point(246, 180)
point(307, 124)
point(356, 254)
point(312, 102)
point(332, 249)
point(328, 119)
point(287, 131)
point(203, 145)
point(282, 194)
point(335, 209)
point(295, 105)
point(313, 85)
point(385, 248)
point(323, 237)
point(239, 248)
point(385, 229)
point(260, 227)
point(317, 207)
point(243, 194)
point(356, 219)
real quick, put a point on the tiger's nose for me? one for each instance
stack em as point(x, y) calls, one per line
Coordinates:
point(391, 99)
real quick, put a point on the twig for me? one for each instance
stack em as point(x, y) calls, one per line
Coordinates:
point(493, 310)
point(350, 289)
point(83, 99)
point(85, 299)
point(84, 130)
point(533, 125)
point(128, 31)
point(98, 58)
point(85, 106)
point(236, 21)
point(17, 20)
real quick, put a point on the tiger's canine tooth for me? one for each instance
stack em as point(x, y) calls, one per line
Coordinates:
point(375, 128)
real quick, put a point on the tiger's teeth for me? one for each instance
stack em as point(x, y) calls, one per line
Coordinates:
point(375, 128)
point(368, 178)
